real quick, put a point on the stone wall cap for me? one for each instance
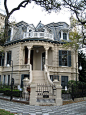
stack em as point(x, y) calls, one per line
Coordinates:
point(26, 79)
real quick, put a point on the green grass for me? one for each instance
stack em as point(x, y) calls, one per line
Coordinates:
point(3, 112)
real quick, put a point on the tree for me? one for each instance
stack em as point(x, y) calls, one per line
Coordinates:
point(78, 7)
point(74, 35)
point(47, 4)
point(82, 62)
point(74, 40)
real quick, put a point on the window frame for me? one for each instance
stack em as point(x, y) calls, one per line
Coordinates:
point(68, 58)
point(64, 36)
point(65, 80)
point(2, 56)
point(8, 59)
point(0, 78)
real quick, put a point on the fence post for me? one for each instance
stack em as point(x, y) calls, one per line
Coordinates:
point(33, 94)
point(58, 92)
point(25, 93)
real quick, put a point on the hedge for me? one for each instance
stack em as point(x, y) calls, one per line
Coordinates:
point(7, 92)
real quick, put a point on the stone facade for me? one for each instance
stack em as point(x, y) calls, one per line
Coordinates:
point(2, 20)
point(31, 48)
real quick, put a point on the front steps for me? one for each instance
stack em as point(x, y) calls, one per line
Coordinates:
point(38, 77)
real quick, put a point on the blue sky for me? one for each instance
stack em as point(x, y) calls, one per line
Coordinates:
point(32, 14)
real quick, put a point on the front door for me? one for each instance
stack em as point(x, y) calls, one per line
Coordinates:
point(43, 60)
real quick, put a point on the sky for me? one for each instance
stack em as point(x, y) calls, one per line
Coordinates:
point(33, 13)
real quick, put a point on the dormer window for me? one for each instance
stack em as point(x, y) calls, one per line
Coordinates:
point(64, 36)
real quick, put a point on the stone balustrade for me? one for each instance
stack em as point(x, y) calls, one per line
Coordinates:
point(38, 35)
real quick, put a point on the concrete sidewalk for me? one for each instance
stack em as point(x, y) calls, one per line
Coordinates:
point(24, 109)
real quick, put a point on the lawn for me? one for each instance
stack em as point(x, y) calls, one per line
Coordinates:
point(3, 112)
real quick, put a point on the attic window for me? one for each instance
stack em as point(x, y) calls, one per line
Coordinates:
point(64, 36)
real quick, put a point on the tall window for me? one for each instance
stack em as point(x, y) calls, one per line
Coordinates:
point(53, 77)
point(64, 36)
point(64, 58)
point(8, 79)
point(26, 55)
point(9, 57)
point(64, 81)
point(0, 78)
point(2, 55)
point(9, 35)
point(4, 79)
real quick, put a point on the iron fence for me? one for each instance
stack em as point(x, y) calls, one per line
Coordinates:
point(78, 91)
point(17, 92)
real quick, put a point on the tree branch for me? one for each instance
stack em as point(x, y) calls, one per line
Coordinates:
point(5, 5)
point(22, 4)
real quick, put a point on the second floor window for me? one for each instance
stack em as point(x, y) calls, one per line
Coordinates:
point(64, 36)
point(2, 55)
point(9, 57)
point(64, 58)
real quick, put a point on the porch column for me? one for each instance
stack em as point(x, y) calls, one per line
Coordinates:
point(21, 61)
point(29, 50)
point(46, 53)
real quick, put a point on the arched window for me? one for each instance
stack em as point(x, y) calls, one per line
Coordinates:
point(64, 36)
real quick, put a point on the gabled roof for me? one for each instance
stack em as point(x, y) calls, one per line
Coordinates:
point(40, 25)
point(58, 24)
point(22, 23)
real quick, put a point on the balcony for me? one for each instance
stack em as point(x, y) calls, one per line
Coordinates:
point(38, 35)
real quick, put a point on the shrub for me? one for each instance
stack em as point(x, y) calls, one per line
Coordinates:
point(15, 93)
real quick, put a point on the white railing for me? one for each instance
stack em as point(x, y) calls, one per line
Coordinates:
point(38, 35)
point(46, 73)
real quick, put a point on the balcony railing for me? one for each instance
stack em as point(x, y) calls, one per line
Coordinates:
point(38, 35)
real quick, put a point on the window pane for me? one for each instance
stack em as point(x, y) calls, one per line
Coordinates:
point(0, 78)
point(52, 77)
point(64, 58)
point(64, 81)
point(64, 36)
point(9, 57)
point(2, 55)
point(8, 79)
point(4, 79)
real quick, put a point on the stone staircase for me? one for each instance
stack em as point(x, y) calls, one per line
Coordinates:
point(38, 77)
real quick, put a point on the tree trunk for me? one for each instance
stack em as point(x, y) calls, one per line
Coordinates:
point(6, 28)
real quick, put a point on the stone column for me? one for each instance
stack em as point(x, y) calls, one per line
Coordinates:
point(46, 55)
point(33, 95)
point(58, 92)
point(21, 61)
point(29, 51)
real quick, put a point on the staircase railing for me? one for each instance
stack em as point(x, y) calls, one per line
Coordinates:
point(30, 80)
point(47, 77)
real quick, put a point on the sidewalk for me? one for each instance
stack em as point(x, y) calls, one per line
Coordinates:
point(25, 109)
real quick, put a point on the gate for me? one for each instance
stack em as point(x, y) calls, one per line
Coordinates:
point(46, 91)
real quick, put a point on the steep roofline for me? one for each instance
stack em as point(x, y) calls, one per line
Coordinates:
point(52, 23)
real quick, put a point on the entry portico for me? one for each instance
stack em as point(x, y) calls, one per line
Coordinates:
point(37, 56)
